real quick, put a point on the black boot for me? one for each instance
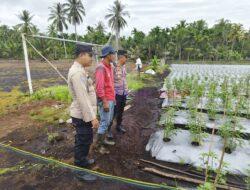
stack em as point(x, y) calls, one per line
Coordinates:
point(110, 134)
point(100, 144)
point(88, 162)
point(121, 129)
point(84, 176)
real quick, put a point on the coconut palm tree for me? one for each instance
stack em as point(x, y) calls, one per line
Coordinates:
point(236, 33)
point(51, 30)
point(181, 35)
point(58, 18)
point(26, 26)
point(75, 11)
point(100, 27)
point(116, 20)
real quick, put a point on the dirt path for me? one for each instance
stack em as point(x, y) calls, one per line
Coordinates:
point(139, 120)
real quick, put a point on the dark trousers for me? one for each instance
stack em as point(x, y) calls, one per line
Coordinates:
point(83, 140)
point(119, 108)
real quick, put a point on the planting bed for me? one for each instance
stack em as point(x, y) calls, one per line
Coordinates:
point(182, 116)
point(205, 111)
point(180, 150)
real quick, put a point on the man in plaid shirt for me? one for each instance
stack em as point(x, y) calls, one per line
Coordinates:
point(121, 90)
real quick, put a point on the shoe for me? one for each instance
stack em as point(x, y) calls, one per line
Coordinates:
point(109, 142)
point(120, 128)
point(82, 176)
point(88, 162)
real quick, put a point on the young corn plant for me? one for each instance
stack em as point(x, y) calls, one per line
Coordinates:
point(169, 128)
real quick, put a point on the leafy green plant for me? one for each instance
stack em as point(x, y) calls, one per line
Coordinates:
point(200, 89)
point(209, 160)
point(211, 110)
point(222, 173)
point(191, 105)
point(231, 133)
point(155, 63)
point(53, 137)
point(169, 128)
point(196, 127)
point(206, 186)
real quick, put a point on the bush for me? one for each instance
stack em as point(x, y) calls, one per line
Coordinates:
point(155, 63)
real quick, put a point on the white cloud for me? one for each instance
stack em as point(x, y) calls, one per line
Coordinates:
point(144, 14)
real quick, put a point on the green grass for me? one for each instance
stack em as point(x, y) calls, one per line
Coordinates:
point(135, 82)
point(60, 93)
point(49, 115)
point(11, 99)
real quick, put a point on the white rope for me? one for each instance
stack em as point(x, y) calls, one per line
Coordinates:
point(47, 61)
point(109, 40)
point(66, 40)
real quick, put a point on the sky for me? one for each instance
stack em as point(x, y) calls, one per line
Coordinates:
point(144, 14)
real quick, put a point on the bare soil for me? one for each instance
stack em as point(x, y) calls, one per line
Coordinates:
point(19, 130)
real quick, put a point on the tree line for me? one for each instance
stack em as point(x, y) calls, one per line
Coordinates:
point(186, 41)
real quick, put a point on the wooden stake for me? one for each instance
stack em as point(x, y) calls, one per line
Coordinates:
point(182, 178)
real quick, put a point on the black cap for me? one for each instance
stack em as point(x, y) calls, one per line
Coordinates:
point(122, 52)
point(83, 48)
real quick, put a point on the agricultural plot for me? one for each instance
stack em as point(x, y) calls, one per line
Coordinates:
point(212, 104)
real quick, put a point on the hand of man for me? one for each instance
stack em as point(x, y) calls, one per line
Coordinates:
point(106, 106)
point(95, 124)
